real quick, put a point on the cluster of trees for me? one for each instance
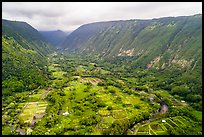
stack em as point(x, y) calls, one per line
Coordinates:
point(10, 111)
point(90, 120)
point(17, 84)
point(188, 95)
point(118, 127)
point(56, 100)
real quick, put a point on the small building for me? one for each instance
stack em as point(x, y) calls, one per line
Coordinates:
point(182, 101)
point(65, 113)
point(163, 121)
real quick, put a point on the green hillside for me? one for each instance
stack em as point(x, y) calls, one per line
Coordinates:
point(23, 57)
point(156, 43)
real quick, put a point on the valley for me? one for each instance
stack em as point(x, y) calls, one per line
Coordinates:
point(125, 77)
point(83, 97)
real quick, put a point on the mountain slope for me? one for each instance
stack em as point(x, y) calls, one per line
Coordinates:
point(54, 37)
point(19, 30)
point(23, 57)
point(157, 43)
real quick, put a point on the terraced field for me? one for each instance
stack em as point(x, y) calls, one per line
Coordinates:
point(33, 108)
point(158, 127)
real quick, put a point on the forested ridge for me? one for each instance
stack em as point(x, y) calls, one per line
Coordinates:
point(23, 57)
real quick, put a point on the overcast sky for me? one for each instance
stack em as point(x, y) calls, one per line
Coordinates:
point(68, 16)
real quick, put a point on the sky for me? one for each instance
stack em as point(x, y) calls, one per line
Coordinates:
point(68, 16)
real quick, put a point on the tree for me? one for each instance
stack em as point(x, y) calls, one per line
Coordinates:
point(90, 120)
point(101, 104)
point(5, 119)
point(6, 130)
point(39, 130)
point(193, 98)
point(180, 90)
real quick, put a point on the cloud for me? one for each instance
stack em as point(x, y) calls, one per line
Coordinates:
point(70, 15)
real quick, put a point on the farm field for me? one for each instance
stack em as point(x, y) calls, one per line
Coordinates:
point(158, 127)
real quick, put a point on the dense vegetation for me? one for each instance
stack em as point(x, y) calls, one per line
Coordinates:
point(23, 58)
point(85, 92)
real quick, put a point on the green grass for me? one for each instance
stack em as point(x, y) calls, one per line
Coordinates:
point(102, 71)
point(6, 130)
point(107, 98)
point(35, 97)
point(131, 100)
point(163, 93)
point(168, 126)
point(130, 132)
point(152, 132)
point(183, 120)
point(175, 102)
point(156, 127)
point(108, 119)
point(97, 89)
point(197, 114)
point(118, 114)
point(67, 91)
point(169, 121)
point(178, 122)
point(104, 112)
point(142, 133)
point(163, 127)
point(55, 65)
point(58, 74)
point(52, 68)
point(103, 125)
point(21, 104)
point(114, 88)
point(41, 91)
point(79, 88)
point(161, 133)
point(42, 102)
point(144, 128)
